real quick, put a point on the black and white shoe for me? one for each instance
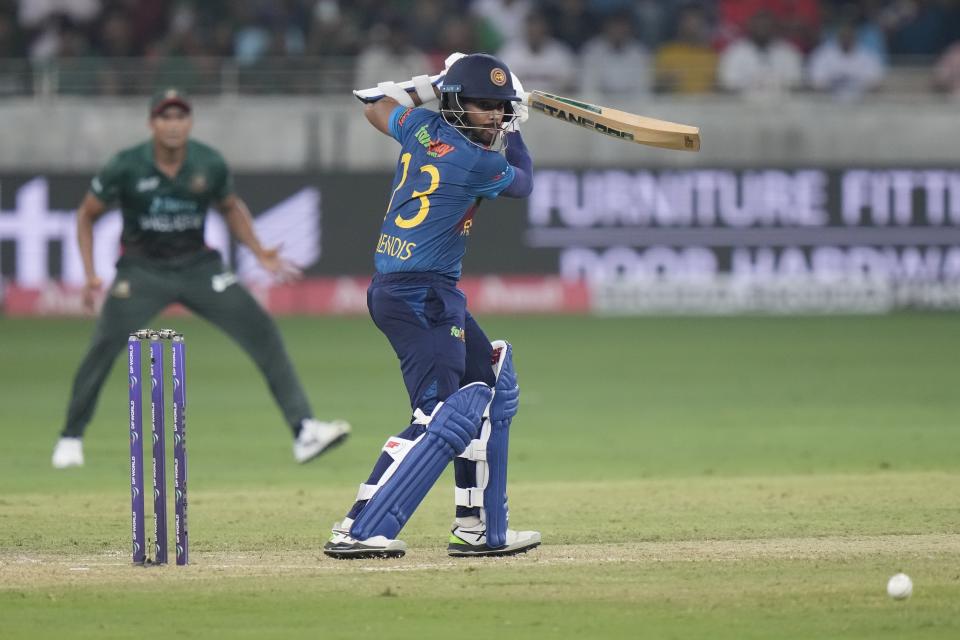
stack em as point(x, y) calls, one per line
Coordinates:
point(344, 547)
point(471, 541)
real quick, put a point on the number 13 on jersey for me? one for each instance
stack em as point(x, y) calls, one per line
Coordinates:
point(421, 215)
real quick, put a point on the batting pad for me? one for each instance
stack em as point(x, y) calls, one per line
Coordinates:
point(506, 402)
point(452, 426)
point(489, 451)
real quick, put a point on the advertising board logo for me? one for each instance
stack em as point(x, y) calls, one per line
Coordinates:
point(872, 239)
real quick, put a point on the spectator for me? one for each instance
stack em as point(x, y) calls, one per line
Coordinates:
point(864, 15)
point(650, 17)
point(77, 69)
point(34, 14)
point(653, 17)
point(506, 17)
point(271, 29)
point(799, 20)
point(540, 60)
point(276, 71)
point(117, 74)
point(843, 67)
point(426, 20)
point(390, 56)
point(615, 63)
point(946, 73)
point(182, 59)
point(919, 28)
point(332, 31)
point(150, 20)
point(456, 34)
point(688, 64)
point(11, 45)
point(13, 77)
point(48, 41)
point(572, 22)
point(760, 65)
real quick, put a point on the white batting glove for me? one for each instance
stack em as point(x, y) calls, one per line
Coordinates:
point(401, 91)
point(521, 111)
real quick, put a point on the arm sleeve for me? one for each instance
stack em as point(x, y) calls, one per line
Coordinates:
point(519, 158)
point(491, 175)
point(106, 184)
point(223, 185)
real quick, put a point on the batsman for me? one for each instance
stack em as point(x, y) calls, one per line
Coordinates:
point(463, 388)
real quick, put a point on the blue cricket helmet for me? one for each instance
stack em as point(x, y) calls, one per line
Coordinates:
point(480, 76)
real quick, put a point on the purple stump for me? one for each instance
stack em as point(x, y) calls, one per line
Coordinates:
point(134, 372)
point(180, 448)
point(159, 450)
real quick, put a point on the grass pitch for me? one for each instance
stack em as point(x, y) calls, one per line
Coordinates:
point(692, 478)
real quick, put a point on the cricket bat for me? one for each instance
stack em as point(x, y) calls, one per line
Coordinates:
point(617, 124)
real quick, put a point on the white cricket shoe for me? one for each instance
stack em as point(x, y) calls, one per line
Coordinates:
point(316, 437)
point(68, 453)
point(468, 539)
point(344, 547)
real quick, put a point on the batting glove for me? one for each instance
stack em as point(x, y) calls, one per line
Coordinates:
point(521, 111)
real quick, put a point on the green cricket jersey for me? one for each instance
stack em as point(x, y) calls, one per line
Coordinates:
point(163, 217)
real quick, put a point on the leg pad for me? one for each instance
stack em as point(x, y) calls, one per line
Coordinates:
point(453, 425)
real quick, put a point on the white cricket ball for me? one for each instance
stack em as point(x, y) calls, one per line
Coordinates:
point(900, 586)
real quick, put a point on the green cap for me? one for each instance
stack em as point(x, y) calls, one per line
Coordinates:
point(166, 97)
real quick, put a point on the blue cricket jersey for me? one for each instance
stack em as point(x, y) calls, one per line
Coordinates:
point(439, 183)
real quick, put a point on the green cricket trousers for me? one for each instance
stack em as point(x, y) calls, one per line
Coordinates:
point(201, 283)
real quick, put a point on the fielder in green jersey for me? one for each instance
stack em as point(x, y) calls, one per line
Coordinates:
point(164, 188)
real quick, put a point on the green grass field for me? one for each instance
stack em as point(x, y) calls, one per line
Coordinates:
point(692, 478)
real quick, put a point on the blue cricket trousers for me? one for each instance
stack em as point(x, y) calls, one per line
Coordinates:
point(439, 344)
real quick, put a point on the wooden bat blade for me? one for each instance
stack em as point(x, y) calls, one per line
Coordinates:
point(616, 123)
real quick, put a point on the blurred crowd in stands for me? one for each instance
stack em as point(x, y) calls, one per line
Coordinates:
point(754, 48)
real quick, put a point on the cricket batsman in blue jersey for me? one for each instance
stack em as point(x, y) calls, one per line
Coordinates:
point(463, 388)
